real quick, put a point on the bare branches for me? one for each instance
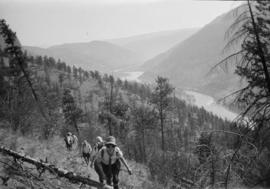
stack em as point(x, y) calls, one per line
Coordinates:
point(232, 94)
point(225, 60)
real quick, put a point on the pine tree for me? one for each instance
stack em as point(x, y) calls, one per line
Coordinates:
point(71, 111)
point(160, 98)
point(75, 73)
point(111, 102)
point(252, 29)
point(15, 78)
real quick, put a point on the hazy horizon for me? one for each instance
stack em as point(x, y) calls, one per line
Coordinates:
point(46, 23)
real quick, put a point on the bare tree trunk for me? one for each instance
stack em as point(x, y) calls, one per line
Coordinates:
point(162, 133)
point(143, 141)
point(162, 129)
point(110, 108)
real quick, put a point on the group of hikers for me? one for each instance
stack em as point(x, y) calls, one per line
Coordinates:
point(105, 157)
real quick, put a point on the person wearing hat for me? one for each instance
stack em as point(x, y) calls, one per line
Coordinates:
point(107, 164)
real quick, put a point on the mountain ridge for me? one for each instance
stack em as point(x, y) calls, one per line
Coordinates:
point(94, 55)
point(114, 54)
point(150, 44)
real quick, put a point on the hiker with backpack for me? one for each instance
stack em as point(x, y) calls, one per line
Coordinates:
point(100, 143)
point(108, 163)
point(70, 140)
point(86, 151)
point(97, 146)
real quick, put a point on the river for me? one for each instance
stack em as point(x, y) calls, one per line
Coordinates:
point(200, 100)
point(132, 76)
point(209, 104)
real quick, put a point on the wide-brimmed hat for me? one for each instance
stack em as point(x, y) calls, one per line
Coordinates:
point(111, 140)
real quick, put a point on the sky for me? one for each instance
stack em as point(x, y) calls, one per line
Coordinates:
point(44, 23)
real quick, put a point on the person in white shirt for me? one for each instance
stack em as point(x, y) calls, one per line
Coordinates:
point(86, 151)
point(107, 164)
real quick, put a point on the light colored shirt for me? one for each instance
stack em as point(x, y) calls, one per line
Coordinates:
point(86, 148)
point(104, 156)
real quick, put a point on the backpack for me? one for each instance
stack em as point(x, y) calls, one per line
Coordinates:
point(99, 145)
point(102, 153)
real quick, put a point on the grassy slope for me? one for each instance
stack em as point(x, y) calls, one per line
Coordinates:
point(54, 149)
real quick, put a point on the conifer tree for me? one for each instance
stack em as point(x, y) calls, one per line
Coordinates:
point(75, 72)
point(71, 111)
point(252, 29)
point(161, 100)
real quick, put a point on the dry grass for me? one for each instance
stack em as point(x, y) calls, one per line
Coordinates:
point(56, 153)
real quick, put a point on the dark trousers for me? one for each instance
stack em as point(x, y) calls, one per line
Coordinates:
point(112, 175)
point(86, 157)
point(69, 146)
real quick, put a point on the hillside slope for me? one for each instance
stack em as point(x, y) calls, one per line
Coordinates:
point(187, 65)
point(55, 152)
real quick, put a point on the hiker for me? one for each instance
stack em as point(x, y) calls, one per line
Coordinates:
point(70, 139)
point(107, 164)
point(75, 140)
point(86, 151)
point(98, 145)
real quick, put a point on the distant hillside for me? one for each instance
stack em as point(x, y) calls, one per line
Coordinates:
point(95, 55)
point(115, 54)
point(150, 44)
point(187, 64)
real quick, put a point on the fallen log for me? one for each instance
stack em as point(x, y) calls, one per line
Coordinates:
point(72, 177)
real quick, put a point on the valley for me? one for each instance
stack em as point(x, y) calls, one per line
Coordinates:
point(200, 100)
